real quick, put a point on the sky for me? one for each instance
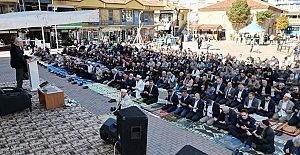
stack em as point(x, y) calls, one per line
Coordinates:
point(271, 1)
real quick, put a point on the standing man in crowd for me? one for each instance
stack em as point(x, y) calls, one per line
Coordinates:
point(18, 61)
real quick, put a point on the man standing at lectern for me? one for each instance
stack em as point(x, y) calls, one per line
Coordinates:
point(18, 61)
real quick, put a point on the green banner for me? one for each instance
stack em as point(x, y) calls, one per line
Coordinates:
point(72, 24)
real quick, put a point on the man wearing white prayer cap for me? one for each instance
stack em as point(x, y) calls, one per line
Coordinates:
point(18, 61)
point(139, 87)
point(284, 109)
point(124, 101)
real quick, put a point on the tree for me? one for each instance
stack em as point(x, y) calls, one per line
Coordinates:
point(263, 16)
point(238, 14)
point(282, 23)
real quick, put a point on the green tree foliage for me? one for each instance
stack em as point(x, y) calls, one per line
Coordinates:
point(263, 16)
point(282, 23)
point(238, 14)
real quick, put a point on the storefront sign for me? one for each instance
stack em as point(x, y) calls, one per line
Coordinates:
point(72, 24)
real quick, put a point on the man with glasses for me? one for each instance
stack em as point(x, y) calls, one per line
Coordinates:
point(244, 123)
point(285, 109)
point(267, 107)
point(295, 95)
point(250, 104)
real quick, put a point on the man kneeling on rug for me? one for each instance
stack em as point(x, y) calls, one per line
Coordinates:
point(244, 124)
point(262, 139)
point(226, 119)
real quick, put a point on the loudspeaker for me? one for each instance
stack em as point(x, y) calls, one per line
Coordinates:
point(108, 131)
point(132, 131)
point(190, 150)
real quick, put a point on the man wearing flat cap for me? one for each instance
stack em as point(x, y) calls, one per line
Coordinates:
point(226, 119)
point(262, 139)
point(18, 61)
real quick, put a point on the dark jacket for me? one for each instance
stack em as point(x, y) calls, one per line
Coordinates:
point(243, 96)
point(267, 89)
point(17, 59)
point(215, 109)
point(249, 122)
point(154, 92)
point(296, 106)
point(254, 102)
point(271, 106)
point(267, 137)
point(188, 101)
point(231, 119)
point(222, 88)
point(174, 99)
point(200, 106)
point(289, 144)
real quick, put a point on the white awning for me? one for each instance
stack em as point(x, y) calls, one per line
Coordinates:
point(18, 20)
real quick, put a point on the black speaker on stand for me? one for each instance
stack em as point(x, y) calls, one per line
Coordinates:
point(132, 131)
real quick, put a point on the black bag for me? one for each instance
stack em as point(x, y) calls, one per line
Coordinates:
point(14, 99)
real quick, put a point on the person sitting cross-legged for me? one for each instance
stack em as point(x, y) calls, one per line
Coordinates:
point(295, 120)
point(263, 138)
point(196, 111)
point(219, 89)
point(241, 95)
point(285, 109)
point(267, 107)
point(212, 110)
point(292, 147)
point(183, 109)
point(172, 102)
point(250, 104)
point(244, 123)
point(225, 119)
point(229, 93)
point(150, 96)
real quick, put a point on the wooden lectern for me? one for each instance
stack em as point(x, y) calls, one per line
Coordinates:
point(33, 75)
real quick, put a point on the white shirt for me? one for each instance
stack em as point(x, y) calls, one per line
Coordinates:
point(195, 105)
point(90, 69)
point(209, 109)
point(250, 103)
point(282, 112)
point(263, 91)
point(218, 87)
point(239, 96)
point(196, 73)
point(266, 105)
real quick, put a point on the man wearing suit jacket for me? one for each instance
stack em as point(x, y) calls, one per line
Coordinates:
point(196, 111)
point(263, 90)
point(226, 119)
point(152, 94)
point(295, 120)
point(250, 104)
point(228, 93)
point(18, 61)
point(292, 147)
point(267, 107)
point(114, 77)
point(263, 138)
point(239, 97)
point(212, 110)
point(219, 89)
point(284, 109)
point(172, 101)
point(184, 102)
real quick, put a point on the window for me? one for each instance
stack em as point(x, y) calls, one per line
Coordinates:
point(147, 17)
point(110, 15)
point(182, 17)
point(126, 15)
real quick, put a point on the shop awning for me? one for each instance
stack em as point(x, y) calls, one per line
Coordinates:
point(18, 20)
point(211, 27)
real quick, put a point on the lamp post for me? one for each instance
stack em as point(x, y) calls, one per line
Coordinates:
point(55, 28)
point(43, 35)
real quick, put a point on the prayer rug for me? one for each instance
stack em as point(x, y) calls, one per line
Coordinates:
point(184, 123)
point(289, 130)
point(229, 142)
point(171, 117)
point(101, 88)
point(160, 113)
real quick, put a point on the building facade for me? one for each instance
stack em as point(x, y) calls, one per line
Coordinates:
point(293, 8)
point(119, 20)
point(215, 15)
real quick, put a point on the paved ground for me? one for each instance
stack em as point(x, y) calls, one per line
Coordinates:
point(163, 138)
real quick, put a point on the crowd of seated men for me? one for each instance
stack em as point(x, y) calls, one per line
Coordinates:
point(205, 81)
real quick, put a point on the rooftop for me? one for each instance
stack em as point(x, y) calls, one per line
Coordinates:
point(226, 5)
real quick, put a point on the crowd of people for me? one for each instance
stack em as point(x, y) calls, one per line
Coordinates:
point(205, 81)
